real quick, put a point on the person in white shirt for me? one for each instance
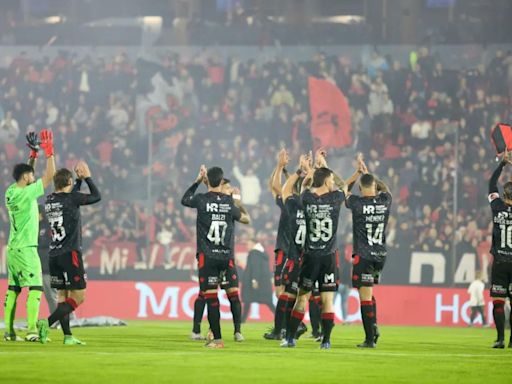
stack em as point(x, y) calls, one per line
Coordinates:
point(476, 299)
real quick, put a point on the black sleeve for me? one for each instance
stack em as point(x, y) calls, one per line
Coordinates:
point(91, 198)
point(350, 201)
point(188, 198)
point(493, 182)
point(386, 198)
point(236, 213)
point(77, 186)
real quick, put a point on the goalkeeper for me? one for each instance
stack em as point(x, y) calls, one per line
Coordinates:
point(23, 264)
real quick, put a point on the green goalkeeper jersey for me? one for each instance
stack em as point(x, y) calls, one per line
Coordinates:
point(21, 204)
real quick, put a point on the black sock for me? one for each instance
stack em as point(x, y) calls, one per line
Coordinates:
point(199, 305)
point(314, 316)
point(327, 325)
point(280, 313)
point(368, 317)
point(62, 310)
point(288, 313)
point(295, 320)
point(498, 313)
point(212, 301)
point(510, 322)
point(374, 309)
point(64, 323)
point(236, 310)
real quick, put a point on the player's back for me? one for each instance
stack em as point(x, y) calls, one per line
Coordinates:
point(322, 214)
point(23, 212)
point(501, 247)
point(216, 214)
point(296, 226)
point(63, 212)
point(283, 239)
point(370, 215)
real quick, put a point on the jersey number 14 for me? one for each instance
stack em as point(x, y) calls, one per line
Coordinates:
point(374, 237)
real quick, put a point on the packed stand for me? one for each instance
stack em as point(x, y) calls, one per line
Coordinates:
point(409, 121)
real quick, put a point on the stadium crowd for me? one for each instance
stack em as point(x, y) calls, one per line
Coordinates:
point(418, 125)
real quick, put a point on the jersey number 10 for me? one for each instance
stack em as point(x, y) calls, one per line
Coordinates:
point(506, 236)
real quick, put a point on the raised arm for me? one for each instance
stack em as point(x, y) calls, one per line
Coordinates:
point(187, 198)
point(381, 186)
point(282, 161)
point(47, 146)
point(244, 215)
point(304, 166)
point(493, 182)
point(361, 169)
point(83, 173)
point(33, 143)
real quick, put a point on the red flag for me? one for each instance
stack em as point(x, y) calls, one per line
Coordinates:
point(330, 115)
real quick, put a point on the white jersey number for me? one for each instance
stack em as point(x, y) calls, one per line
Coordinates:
point(300, 236)
point(374, 237)
point(58, 230)
point(506, 235)
point(320, 229)
point(217, 232)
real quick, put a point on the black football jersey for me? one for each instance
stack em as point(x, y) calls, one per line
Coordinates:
point(297, 226)
point(501, 247)
point(216, 213)
point(63, 213)
point(322, 215)
point(283, 232)
point(369, 220)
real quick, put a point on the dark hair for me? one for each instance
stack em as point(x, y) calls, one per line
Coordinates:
point(507, 190)
point(215, 176)
point(367, 180)
point(20, 169)
point(320, 175)
point(61, 178)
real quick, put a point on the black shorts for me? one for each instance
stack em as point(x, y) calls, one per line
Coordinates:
point(67, 271)
point(321, 269)
point(279, 259)
point(211, 272)
point(229, 277)
point(501, 279)
point(365, 273)
point(290, 276)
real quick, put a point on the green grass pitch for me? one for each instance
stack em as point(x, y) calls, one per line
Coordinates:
point(160, 352)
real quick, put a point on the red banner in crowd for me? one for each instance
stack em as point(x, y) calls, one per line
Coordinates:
point(397, 305)
point(330, 115)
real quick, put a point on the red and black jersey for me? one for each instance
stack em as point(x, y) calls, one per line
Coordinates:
point(370, 217)
point(296, 226)
point(283, 231)
point(501, 247)
point(216, 214)
point(322, 214)
point(63, 213)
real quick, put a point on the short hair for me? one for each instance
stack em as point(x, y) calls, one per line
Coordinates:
point(320, 175)
point(367, 180)
point(215, 176)
point(507, 190)
point(20, 169)
point(61, 178)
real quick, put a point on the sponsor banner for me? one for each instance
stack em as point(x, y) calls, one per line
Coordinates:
point(397, 305)
point(177, 262)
